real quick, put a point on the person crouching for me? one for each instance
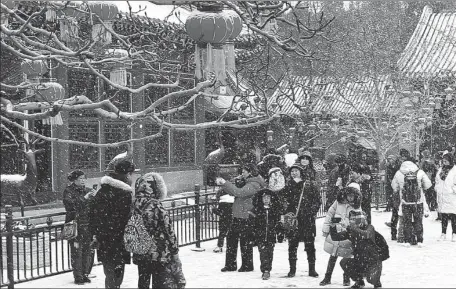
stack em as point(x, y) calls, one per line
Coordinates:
point(366, 260)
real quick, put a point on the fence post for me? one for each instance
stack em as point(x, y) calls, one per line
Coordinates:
point(197, 219)
point(9, 246)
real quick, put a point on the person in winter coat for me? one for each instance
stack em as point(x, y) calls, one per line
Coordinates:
point(409, 176)
point(302, 183)
point(161, 263)
point(362, 176)
point(392, 166)
point(240, 230)
point(77, 202)
point(427, 164)
point(340, 209)
point(445, 187)
point(267, 208)
point(332, 169)
point(109, 216)
point(225, 213)
point(366, 260)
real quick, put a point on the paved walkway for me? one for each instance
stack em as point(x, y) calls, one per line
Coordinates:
point(427, 267)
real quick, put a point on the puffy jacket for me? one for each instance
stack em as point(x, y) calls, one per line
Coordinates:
point(397, 183)
point(266, 222)
point(76, 206)
point(150, 189)
point(109, 216)
point(446, 192)
point(243, 196)
point(332, 247)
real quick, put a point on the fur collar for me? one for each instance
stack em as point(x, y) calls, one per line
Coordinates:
point(107, 180)
point(151, 185)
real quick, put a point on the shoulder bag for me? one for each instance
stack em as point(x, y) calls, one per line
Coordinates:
point(290, 220)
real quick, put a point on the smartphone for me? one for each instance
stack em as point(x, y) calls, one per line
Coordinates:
point(336, 220)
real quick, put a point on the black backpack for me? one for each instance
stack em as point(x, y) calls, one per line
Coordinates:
point(411, 192)
point(382, 247)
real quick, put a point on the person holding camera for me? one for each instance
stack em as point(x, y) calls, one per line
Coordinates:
point(248, 185)
point(366, 260)
point(303, 198)
point(225, 212)
point(338, 212)
point(77, 200)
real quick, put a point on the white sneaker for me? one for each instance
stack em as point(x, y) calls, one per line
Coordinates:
point(442, 237)
point(420, 245)
point(453, 238)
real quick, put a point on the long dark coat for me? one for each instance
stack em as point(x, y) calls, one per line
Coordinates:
point(266, 221)
point(77, 208)
point(310, 204)
point(108, 218)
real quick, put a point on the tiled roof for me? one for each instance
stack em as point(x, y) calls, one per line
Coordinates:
point(323, 94)
point(432, 48)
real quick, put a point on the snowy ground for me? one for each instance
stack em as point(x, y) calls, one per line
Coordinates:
point(427, 267)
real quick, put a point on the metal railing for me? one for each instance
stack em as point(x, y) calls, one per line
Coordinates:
point(38, 252)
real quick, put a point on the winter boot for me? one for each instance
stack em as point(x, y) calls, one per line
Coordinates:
point(266, 275)
point(312, 272)
point(346, 280)
point(358, 284)
point(329, 270)
point(292, 272)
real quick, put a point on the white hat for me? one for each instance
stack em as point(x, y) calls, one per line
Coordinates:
point(354, 185)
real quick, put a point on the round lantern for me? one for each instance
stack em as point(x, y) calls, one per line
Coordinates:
point(210, 27)
point(106, 13)
point(51, 92)
point(449, 93)
point(69, 28)
point(118, 69)
point(33, 68)
point(3, 15)
point(269, 134)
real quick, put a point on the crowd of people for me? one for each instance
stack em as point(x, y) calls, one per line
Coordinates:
point(268, 203)
point(102, 218)
point(275, 201)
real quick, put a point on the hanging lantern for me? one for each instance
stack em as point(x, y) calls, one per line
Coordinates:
point(106, 12)
point(33, 68)
point(211, 26)
point(449, 93)
point(361, 133)
point(118, 69)
point(269, 134)
point(51, 92)
point(3, 15)
point(68, 22)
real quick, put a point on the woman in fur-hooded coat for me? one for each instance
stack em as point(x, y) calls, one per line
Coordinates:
point(161, 263)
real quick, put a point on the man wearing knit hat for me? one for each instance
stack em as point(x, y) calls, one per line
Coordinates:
point(366, 260)
point(109, 216)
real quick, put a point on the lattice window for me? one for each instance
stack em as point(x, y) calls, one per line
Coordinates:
point(115, 132)
point(120, 98)
point(156, 150)
point(186, 115)
point(82, 82)
point(183, 147)
point(154, 93)
point(83, 157)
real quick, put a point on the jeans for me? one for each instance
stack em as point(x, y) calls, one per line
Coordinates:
point(226, 216)
point(413, 223)
point(114, 274)
point(445, 218)
point(239, 233)
point(81, 257)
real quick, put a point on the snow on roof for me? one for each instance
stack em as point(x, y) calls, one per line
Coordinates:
point(432, 48)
